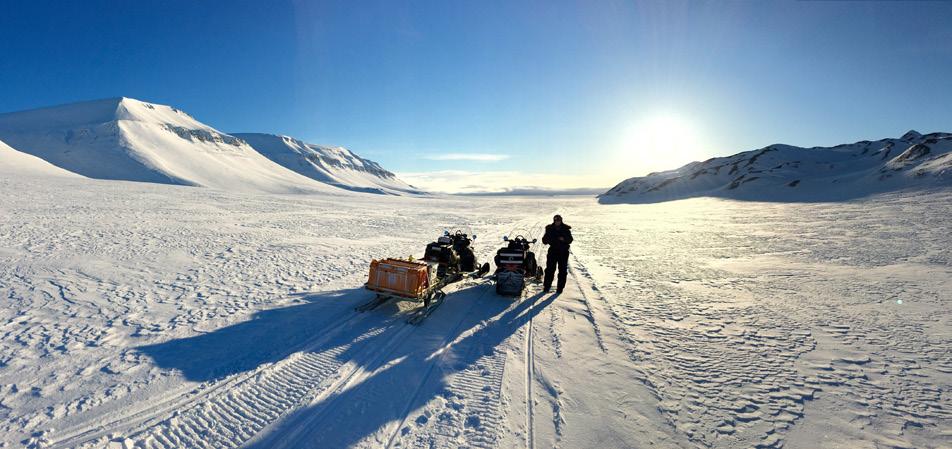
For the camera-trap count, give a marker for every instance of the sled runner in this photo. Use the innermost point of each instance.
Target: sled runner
(406, 280)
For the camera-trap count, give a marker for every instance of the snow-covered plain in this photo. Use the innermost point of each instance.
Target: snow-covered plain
(159, 316)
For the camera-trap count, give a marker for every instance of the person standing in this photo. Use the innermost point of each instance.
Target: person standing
(558, 236)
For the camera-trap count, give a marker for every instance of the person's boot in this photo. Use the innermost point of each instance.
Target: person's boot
(547, 282)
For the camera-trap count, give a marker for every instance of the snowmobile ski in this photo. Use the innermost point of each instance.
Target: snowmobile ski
(481, 272)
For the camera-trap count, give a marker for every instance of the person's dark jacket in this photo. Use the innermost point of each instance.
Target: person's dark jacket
(552, 234)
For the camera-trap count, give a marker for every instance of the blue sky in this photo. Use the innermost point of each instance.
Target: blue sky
(566, 93)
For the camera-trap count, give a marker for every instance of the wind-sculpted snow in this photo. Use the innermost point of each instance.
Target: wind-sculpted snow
(154, 316)
(13, 161)
(788, 173)
(764, 325)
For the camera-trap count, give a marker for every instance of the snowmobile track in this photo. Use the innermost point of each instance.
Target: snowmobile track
(233, 418)
(579, 271)
(530, 375)
(433, 363)
(480, 387)
(164, 413)
(327, 396)
(468, 413)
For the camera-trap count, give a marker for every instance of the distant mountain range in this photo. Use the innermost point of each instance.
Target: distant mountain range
(788, 173)
(132, 140)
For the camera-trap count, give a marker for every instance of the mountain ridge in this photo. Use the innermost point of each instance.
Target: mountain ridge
(122, 138)
(335, 166)
(781, 172)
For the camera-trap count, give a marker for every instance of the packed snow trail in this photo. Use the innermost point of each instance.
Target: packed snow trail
(530, 378)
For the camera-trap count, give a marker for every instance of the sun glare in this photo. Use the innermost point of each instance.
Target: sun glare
(661, 142)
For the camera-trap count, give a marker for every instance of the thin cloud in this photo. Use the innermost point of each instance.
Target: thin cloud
(481, 157)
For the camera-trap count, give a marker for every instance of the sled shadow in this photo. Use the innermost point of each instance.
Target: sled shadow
(270, 336)
(411, 375)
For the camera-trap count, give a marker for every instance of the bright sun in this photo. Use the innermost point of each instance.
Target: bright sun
(661, 142)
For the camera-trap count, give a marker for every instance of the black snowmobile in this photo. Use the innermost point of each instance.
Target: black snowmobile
(454, 255)
(515, 264)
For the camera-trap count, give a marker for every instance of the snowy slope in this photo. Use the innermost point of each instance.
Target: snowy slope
(789, 173)
(127, 139)
(13, 161)
(335, 166)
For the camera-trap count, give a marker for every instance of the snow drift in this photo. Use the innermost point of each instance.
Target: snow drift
(13, 161)
(127, 139)
(338, 166)
(788, 173)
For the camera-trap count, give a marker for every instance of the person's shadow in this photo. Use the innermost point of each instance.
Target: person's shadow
(395, 376)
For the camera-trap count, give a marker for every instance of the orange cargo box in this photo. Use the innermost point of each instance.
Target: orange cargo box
(398, 277)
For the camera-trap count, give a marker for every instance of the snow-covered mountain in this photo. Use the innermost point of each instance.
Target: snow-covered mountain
(335, 166)
(788, 173)
(127, 139)
(17, 162)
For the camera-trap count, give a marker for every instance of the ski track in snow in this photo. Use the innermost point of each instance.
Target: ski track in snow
(530, 378)
(155, 317)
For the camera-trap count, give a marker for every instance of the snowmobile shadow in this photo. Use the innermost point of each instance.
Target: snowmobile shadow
(270, 336)
(392, 381)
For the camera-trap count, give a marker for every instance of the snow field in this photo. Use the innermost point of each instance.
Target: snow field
(156, 316)
(794, 325)
(20, 162)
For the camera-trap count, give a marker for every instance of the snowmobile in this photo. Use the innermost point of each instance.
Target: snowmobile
(444, 262)
(515, 264)
(453, 254)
